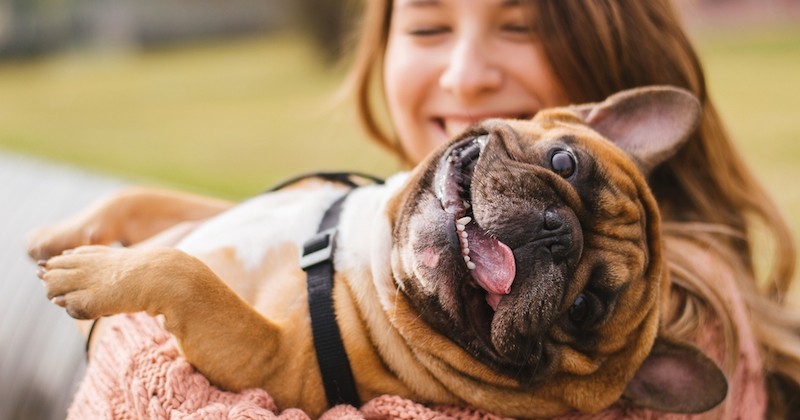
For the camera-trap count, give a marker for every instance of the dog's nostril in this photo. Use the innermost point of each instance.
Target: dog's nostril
(559, 242)
(552, 220)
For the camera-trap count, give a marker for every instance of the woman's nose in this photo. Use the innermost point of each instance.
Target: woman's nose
(470, 71)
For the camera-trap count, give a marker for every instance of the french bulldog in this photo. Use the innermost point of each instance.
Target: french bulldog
(518, 269)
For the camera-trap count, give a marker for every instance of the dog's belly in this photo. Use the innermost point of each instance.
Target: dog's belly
(255, 246)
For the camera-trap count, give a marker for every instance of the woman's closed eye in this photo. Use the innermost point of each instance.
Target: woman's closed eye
(518, 31)
(516, 27)
(428, 31)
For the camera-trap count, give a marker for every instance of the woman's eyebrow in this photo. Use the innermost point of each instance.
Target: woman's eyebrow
(419, 3)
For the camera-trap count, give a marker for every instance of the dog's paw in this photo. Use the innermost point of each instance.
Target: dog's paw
(93, 281)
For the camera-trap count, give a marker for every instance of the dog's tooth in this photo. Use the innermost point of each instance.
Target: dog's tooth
(470, 265)
(459, 227)
(465, 250)
(464, 234)
(467, 258)
(464, 220)
(467, 204)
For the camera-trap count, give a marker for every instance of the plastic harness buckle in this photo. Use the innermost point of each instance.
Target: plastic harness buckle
(319, 248)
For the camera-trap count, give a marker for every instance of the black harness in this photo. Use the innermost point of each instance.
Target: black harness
(317, 262)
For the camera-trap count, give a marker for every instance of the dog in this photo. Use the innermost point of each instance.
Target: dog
(518, 270)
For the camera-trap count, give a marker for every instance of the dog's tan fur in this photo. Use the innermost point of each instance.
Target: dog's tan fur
(243, 321)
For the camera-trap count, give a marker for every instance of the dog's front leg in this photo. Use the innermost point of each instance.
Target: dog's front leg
(220, 334)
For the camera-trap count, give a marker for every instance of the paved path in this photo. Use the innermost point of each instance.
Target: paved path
(41, 352)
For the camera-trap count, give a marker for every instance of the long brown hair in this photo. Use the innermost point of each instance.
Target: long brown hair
(706, 193)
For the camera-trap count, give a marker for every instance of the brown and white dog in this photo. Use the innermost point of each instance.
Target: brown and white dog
(548, 303)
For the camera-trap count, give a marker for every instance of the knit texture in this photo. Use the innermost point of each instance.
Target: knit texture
(137, 372)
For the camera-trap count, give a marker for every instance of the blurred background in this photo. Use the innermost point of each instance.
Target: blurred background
(227, 98)
(221, 97)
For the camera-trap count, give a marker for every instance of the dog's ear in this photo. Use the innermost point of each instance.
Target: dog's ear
(677, 377)
(649, 123)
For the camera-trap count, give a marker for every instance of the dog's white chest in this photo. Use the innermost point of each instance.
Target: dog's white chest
(261, 223)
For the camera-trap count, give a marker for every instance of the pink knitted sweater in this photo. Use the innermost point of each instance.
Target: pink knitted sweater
(137, 372)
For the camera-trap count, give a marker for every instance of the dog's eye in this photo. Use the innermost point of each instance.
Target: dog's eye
(580, 311)
(563, 163)
(586, 310)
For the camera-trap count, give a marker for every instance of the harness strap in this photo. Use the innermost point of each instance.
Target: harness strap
(345, 178)
(317, 261)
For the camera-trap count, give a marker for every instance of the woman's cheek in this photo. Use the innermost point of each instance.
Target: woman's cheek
(409, 77)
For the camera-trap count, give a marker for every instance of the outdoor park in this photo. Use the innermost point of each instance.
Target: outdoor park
(231, 116)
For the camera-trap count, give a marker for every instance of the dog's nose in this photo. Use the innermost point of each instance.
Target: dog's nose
(552, 220)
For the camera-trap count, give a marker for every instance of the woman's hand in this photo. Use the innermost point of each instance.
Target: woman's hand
(126, 217)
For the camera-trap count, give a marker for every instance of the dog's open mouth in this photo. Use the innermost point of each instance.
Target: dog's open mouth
(490, 262)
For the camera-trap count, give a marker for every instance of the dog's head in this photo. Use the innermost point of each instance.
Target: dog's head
(534, 245)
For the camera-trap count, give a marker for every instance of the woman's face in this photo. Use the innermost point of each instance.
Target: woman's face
(450, 63)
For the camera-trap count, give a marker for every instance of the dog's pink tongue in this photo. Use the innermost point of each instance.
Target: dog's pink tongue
(494, 263)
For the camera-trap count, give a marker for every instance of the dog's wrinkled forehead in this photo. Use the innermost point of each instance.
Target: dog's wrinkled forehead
(527, 139)
(560, 142)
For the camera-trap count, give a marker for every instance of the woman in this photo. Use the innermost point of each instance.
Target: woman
(443, 64)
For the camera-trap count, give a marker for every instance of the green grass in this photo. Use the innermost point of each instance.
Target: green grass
(228, 118)
(231, 118)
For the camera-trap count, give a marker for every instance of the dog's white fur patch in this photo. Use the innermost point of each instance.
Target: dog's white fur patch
(365, 235)
(255, 226)
(365, 240)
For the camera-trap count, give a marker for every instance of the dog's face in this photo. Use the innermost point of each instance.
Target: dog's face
(534, 245)
(557, 224)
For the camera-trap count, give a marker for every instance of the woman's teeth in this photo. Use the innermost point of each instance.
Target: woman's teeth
(452, 127)
(455, 127)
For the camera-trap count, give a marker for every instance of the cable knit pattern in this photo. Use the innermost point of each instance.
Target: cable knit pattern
(137, 372)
